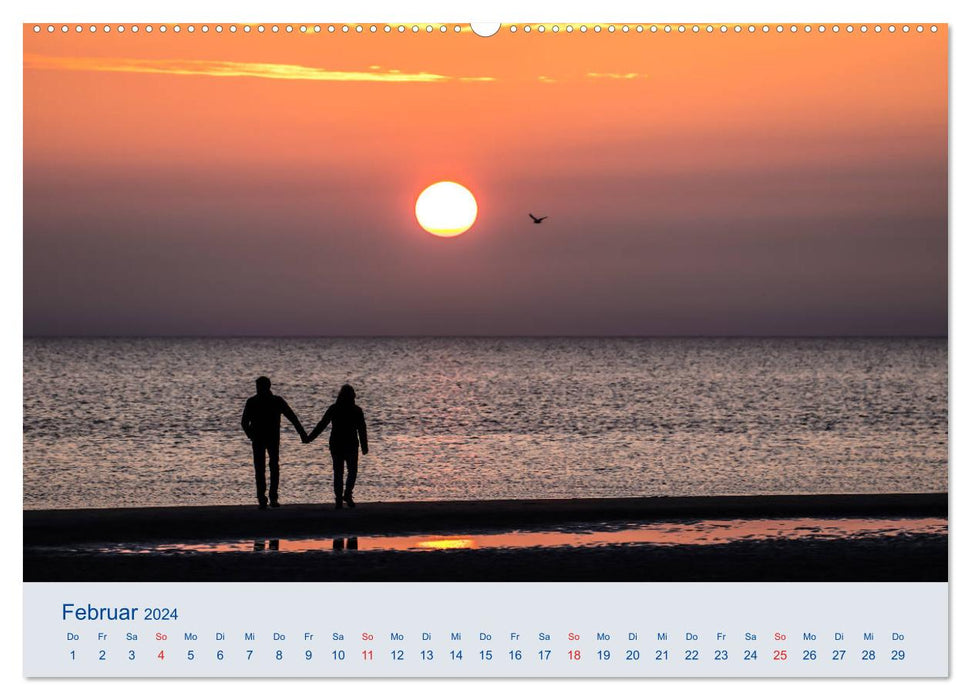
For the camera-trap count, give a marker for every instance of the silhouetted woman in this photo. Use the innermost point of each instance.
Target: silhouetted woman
(348, 420)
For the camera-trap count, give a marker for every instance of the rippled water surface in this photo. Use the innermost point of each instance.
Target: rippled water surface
(121, 422)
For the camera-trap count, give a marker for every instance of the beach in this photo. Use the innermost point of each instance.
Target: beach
(183, 543)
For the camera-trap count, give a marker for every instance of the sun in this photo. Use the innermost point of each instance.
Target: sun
(446, 209)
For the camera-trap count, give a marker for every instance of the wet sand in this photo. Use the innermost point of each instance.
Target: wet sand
(49, 534)
(902, 558)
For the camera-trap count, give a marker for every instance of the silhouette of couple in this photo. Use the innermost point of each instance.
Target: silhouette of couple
(261, 423)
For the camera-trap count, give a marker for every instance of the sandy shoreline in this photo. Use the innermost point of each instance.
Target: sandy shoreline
(62, 527)
(55, 542)
(901, 558)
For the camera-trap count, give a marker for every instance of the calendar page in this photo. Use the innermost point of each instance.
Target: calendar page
(485, 350)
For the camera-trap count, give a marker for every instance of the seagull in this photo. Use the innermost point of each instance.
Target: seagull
(539, 220)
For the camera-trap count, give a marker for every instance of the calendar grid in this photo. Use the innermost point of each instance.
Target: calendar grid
(479, 630)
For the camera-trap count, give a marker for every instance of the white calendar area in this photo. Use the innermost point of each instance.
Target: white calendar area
(480, 630)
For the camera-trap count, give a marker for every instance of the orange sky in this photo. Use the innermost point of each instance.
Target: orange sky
(648, 151)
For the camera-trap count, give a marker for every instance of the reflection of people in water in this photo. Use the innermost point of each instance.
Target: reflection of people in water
(348, 424)
(341, 543)
(261, 423)
(261, 545)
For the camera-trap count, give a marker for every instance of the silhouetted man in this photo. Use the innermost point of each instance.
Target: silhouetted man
(261, 423)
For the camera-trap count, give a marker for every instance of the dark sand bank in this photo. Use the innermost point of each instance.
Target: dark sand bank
(65, 527)
(60, 545)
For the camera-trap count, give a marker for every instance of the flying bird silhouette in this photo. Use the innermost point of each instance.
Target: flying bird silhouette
(539, 220)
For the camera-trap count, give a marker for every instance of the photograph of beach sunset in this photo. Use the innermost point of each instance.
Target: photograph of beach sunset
(407, 303)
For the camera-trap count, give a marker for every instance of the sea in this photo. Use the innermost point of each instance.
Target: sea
(116, 422)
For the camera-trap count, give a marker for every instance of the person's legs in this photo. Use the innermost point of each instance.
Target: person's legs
(274, 451)
(351, 478)
(259, 464)
(338, 476)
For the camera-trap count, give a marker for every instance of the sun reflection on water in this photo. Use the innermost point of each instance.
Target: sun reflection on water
(450, 543)
(663, 534)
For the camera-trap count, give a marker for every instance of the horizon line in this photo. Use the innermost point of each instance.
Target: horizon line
(128, 336)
